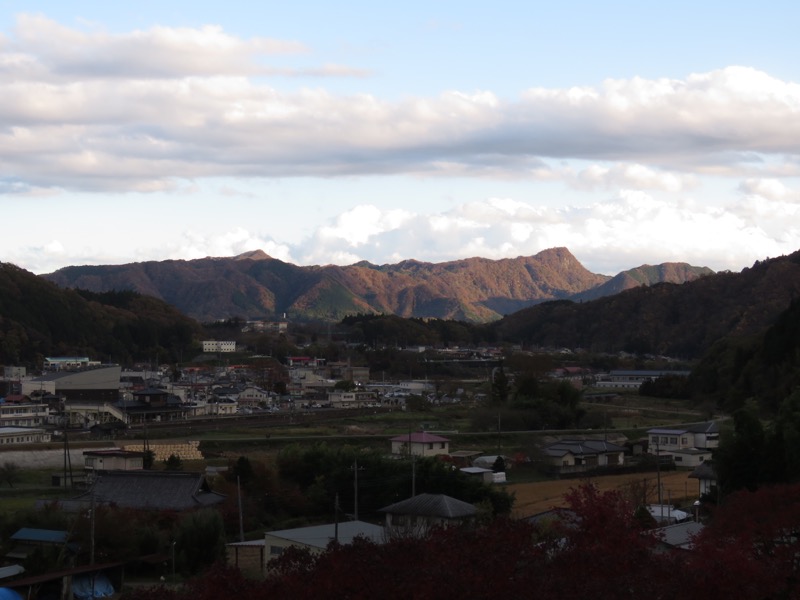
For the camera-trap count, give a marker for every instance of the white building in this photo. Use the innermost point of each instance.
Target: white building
(23, 435)
(218, 346)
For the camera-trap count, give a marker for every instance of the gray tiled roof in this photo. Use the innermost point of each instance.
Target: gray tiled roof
(582, 447)
(431, 505)
(155, 490)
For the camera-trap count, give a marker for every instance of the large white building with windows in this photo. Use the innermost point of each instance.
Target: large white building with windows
(23, 435)
(218, 346)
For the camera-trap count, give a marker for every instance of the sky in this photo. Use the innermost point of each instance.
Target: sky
(329, 133)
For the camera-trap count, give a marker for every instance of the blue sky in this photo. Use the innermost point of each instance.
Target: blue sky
(629, 132)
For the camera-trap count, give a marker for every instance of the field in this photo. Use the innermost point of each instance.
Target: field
(533, 498)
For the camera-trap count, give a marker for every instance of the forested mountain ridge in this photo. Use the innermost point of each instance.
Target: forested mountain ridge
(675, 320)
(38, 319)
(256, 286)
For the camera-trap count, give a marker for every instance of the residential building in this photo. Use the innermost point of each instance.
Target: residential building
(147, 490)
(420, 444)
(706, 477)
(687, 446)
(417, 515)
(252, 557)
(112, 459)
(581, 455)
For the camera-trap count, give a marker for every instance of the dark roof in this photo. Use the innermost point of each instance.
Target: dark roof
(419, 437)
(431, 505)
(708, 427)
(154, 490)
(704, 470)
(113, 452)
(582, 447)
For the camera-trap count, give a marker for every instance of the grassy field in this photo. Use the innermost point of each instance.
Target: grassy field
(536, 497)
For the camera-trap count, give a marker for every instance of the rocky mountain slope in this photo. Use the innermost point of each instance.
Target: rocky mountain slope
(255, 285)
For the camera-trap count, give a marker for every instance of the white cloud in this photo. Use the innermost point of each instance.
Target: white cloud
(770, 189)
(633, 176)
(91, 110)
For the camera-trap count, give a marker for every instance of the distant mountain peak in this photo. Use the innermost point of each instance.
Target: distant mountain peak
(253, 255)
(254, 285)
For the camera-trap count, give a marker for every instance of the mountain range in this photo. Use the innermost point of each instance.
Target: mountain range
(256, 286)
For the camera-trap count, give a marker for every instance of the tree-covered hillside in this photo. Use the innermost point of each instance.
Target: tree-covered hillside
(38, 319)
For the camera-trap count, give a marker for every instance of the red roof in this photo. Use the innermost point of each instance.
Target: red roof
(421, 437)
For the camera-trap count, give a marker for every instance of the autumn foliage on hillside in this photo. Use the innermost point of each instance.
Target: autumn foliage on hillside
(747, 551)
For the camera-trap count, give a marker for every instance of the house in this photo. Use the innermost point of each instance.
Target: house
(252, 557)
(689, 458)
(420, 444)
(252, 397)
(147, 490)
(112, 459)
(699, 435)
(581, 455)
(706, 477)
(687, 446)
(418, 514)
(317, 537)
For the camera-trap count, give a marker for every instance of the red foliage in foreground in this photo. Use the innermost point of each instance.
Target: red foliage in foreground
(748, 551)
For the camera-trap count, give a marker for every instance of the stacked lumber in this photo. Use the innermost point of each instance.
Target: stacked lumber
(162, 451)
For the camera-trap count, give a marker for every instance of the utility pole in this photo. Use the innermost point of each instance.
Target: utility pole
(241, 516)
(336, 519)
(355, 489)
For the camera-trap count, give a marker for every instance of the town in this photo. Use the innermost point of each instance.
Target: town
(113, 438)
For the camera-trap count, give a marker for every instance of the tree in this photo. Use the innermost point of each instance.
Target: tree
(149, 459)
(199, 540)
(500, 386)
(10, 473)
(344, 385)
(740, 456)
(173, 463)
(499, 465)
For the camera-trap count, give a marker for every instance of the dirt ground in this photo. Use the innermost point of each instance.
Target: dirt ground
(533, 498)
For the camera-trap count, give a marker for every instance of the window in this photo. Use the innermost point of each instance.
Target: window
(275, 550)
(430, 445)
(655, 439)
(664, 439)
(441, 445)
(684, 441)
(673, 440)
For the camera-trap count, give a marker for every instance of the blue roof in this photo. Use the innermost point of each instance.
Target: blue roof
(28, 534)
